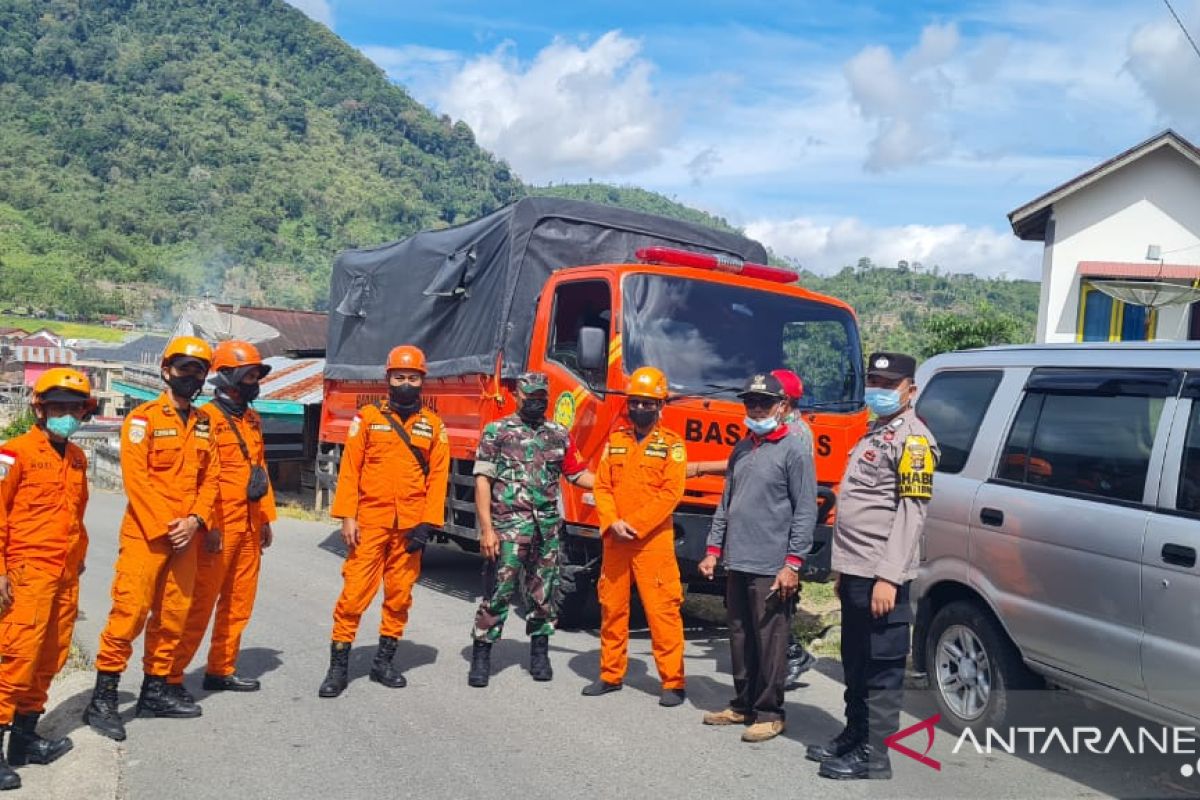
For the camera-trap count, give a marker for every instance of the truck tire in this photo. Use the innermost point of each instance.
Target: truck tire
(578, 606)
(973, 667)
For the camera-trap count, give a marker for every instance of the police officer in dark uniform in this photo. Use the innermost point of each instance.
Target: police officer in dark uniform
(881, 513)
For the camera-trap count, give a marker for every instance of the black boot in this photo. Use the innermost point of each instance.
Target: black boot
(339, 667)
(230, 683)
(26, 747)
(102, 712)
(865, 761)
(180, 691)
(800, 661)
(156, 701)
(539, 658)
(9, 779)
(382, 670)
(844, 742)
(481, 664)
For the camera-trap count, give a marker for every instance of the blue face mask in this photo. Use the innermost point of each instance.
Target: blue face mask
(883, 402)
(762, 426)
(63, 426)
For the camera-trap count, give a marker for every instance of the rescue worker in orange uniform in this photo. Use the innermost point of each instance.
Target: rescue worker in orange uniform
(43, 494)
(391, 496)
(172, 489)
(639, 482)
(231, 554)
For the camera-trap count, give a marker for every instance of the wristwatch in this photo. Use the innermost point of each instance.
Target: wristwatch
(199, 520)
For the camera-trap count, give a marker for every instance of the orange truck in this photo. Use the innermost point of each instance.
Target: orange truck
(587, 294)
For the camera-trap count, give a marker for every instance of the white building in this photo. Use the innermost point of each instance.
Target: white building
(1122, 247)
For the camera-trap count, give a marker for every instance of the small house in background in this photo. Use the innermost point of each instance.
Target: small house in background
(291, 342)
(41, 351)
(1121, 256)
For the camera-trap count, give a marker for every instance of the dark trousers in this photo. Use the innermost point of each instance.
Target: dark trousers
(758, 639)
(873, 656)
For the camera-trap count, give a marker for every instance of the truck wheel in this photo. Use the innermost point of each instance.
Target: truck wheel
(973, 667)
(578, 606)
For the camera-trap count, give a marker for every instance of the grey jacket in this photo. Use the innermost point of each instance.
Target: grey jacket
(883, 500)
(769, 508)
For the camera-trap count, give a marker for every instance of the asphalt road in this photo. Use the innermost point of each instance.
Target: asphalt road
(439, 738)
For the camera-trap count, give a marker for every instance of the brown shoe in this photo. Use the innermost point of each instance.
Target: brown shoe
(762, 731)
(726, 717)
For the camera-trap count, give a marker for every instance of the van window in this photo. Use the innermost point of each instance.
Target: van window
(953, 405)
(1083, 444)
(1189, 471)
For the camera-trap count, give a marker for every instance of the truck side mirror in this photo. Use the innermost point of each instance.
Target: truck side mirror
(593, 349)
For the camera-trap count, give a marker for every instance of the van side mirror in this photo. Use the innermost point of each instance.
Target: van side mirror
(593, 349)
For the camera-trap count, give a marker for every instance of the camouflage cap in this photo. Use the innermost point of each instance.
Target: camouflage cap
(533, 382)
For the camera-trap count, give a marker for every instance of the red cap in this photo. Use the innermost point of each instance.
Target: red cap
(793, 387)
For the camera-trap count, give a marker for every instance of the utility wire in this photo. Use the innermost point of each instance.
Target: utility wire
(1179, 22)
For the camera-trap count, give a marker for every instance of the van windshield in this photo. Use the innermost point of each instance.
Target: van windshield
(709, 335)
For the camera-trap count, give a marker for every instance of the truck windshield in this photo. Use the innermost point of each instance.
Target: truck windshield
(709, 335)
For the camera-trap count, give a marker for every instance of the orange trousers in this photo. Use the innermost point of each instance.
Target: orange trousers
(379, 557)
(152, 590)
(35, 636)
(227, 582)
(652, 565)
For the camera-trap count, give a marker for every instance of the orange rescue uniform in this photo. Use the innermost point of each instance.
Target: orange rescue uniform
(42, 546)
(381, 485)
(641, 483)
(166, 469)
(232, 574)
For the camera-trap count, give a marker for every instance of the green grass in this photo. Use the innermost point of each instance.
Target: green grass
(67, 330)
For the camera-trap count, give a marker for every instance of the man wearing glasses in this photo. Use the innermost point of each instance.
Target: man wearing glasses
(762, 530)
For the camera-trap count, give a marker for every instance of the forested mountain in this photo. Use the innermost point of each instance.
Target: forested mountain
(229, 146)
(156, 149)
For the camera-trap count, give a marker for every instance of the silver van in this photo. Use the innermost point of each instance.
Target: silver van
(1060, 546)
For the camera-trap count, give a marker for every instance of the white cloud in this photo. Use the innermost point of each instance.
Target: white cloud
(424, 71)
(826, 246)
(574, 111)
(1168, 70)
(319, 10)
(902, 97)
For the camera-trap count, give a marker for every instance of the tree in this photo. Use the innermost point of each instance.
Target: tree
(946, 332)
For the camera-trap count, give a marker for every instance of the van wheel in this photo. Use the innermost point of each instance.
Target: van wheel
(972, 667)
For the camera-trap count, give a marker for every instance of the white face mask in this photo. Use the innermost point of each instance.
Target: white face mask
(762, 427)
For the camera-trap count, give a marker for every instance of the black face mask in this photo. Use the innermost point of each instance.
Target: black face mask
(405, 397)
(238, 398)
(643, 417)
(185, 385)
(533, 411)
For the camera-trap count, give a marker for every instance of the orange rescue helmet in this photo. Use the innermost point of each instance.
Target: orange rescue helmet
(234, 354)
(406, 356)
(188, 346)
(647, 382)
(64, 385)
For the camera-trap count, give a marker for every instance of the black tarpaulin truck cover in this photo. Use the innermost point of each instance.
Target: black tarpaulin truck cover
(466, 293)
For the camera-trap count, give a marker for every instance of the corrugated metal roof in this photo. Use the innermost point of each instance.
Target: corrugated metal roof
(294, 380)
(298, 330)
(1123, 269)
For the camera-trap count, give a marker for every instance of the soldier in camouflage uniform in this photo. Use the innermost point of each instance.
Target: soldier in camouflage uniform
(517, 470)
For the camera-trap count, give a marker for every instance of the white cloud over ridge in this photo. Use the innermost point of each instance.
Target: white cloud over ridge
(574, 111)
(1168, 70)
(825, 247)
(319, 10)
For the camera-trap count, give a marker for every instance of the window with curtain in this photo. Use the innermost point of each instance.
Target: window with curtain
(1103, 319)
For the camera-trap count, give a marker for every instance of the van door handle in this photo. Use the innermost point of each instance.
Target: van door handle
(991, 516)
(1178, 555)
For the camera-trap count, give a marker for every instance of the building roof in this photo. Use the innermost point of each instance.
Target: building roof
(299, 331)
(13, 331)
(143, 350)
(294, 380)
(1029, 221)
(1126, 269)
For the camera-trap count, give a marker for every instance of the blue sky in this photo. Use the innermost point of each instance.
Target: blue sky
(828, 130)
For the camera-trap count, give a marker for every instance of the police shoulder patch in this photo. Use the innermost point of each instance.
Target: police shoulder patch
(7, 459)
(916, 468)
(137, 429)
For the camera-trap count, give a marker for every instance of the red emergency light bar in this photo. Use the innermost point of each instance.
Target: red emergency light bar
(686, 258)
